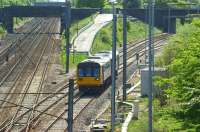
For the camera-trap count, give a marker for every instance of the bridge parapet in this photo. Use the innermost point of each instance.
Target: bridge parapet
(165, 18)
(7, 14)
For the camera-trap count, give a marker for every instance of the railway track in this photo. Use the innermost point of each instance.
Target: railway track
(33, 84)
(56, 123)
(14, 42)
(36, 47)
(81, 105)
(41, 110)
(9, 81)
(59, 122)
(138, 47)
(16, 51)
(41, 106)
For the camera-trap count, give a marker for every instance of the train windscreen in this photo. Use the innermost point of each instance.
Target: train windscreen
(88, 70)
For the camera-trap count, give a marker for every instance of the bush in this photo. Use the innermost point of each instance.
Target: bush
(105, 39)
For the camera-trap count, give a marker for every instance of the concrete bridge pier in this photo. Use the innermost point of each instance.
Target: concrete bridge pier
(169, 25)
(8, 21)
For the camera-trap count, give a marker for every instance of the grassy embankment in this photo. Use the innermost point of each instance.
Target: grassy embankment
(103, 40)
(73, 30)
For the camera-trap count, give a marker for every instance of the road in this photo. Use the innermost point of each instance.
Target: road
(84, 41)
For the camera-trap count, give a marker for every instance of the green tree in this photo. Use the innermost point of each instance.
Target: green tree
(133, 4)
(174, 3)
(181, 56)
(90, 3)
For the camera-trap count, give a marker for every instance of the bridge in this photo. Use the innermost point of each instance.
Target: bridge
(165, 19)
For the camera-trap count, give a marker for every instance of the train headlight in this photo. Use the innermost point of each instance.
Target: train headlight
(97, 78)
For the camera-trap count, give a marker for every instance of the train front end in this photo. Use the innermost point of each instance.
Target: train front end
(89, 76)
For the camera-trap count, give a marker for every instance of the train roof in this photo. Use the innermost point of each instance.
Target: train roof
(97, 59)
(103, 55)
(101, 61)
(106, 54)
(100, 57)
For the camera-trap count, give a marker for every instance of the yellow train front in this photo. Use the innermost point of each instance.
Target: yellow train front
(95, 72)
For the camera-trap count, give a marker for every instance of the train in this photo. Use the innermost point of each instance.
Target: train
(94, 73)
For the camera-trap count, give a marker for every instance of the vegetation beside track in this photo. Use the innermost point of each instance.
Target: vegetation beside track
(181, 58)
(78, 57)
(135, 30)
(136, 3)
(181, 90)
(15, 2)
(75, 26)
(163, 118)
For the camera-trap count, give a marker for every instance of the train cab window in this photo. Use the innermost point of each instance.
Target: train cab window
(95, 72)
(81, 72)
(89, 71)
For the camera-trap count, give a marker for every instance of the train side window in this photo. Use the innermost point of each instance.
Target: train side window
(95, 72)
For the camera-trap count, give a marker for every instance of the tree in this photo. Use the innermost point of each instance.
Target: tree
(90, 3)
(184, 69)
(133, 4)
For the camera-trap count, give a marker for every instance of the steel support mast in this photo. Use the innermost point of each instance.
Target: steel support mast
(124, 50)
(70, 106)
(67, 36)
(151, 20)
(113, 69)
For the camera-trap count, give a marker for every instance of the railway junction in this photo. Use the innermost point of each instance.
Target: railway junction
(38, 93)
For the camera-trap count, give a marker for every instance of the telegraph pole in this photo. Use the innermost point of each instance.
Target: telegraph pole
(113, 68)
(151, 20)
(124, 49)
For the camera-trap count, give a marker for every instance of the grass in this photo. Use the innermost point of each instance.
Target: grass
(76, 25)
(77, 58)
(164, 119)
(2, 31)
(20, 21)
(103, 40)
